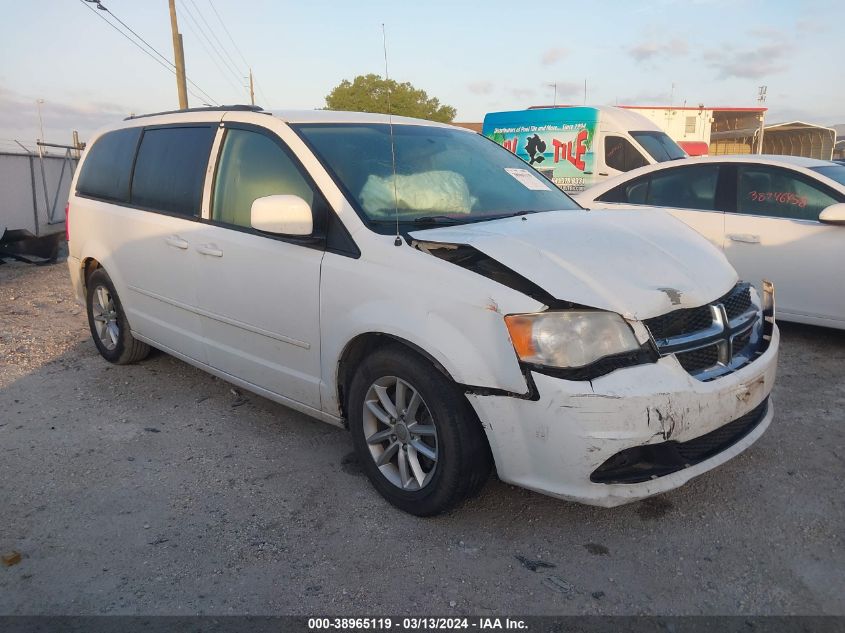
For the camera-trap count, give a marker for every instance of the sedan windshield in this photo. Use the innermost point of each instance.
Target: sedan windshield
(659, 145)
(834, 172)
(430, 175)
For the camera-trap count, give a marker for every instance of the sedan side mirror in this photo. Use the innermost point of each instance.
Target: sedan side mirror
(834, 214)
(282, 214)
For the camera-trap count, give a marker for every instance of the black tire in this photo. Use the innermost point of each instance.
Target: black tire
(125, 349)
(463, 461)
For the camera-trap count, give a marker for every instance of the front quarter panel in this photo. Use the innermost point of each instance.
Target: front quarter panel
(454, 315)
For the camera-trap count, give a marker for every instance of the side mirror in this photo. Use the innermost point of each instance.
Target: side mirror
(282, 214)
(834, 214)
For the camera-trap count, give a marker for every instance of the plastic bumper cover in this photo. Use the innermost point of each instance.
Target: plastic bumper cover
(553, 445)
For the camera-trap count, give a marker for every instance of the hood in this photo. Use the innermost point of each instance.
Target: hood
(637, 263)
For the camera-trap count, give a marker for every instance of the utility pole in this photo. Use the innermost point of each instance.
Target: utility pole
(761, 99)
(179, 56)
(252, 89)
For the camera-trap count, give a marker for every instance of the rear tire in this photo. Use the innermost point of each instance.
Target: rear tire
(107, 320)
(416, 436)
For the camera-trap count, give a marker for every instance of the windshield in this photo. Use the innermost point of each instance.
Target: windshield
(659, 145)
(834, 172)
(442, 175)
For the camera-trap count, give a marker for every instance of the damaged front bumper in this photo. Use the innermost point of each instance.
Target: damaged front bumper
(633, 433)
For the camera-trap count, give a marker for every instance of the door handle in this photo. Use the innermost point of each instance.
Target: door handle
(744, 237)
(209, 249)
(601, 173)
(176, 242)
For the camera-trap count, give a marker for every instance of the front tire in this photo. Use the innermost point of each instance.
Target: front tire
(107, 320)
(416, 436)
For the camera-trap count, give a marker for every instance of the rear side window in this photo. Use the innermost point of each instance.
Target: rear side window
(684, 188)
(107, 168)
(620, 153)
(633, 192)
(170, 169)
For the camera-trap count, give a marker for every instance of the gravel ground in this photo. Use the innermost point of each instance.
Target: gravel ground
(158, 489)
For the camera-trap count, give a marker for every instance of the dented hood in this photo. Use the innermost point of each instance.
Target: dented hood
(637, 263)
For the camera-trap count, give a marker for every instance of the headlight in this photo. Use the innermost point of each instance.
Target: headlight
(569, 338)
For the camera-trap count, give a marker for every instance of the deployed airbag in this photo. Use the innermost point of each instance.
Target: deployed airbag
(426, 192)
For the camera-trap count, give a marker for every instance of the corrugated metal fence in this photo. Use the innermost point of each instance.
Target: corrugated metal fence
(34, 190)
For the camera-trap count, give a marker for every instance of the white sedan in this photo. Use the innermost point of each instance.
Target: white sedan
(780, 218)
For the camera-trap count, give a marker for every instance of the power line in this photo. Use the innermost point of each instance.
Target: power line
(216, 39)
(142, 49)
(237, 48)
(167, 66)
(231, 39)
(170, 68)
(208, 52)
(187, 11)
(148, 45)
(261, 90)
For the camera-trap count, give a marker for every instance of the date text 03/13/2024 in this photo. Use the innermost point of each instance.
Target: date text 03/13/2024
(414, 624)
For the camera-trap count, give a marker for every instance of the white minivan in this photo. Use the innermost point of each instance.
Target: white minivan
(429, 291)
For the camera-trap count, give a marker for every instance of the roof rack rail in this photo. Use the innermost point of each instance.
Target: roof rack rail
(236, 107)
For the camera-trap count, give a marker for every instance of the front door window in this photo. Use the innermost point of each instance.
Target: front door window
(252, 166)
(778, 193)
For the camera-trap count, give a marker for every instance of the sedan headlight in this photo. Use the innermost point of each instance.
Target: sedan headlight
(571, 338)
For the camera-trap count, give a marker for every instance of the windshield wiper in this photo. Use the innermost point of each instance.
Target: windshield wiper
(515, 214)
(448, 219)
(436, 219)
(424, 219)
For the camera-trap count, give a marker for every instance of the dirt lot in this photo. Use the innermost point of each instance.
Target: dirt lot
(155, 488)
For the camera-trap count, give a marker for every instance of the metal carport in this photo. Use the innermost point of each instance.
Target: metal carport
(795, 138)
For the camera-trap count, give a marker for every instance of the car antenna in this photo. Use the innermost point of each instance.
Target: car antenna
(398, 240)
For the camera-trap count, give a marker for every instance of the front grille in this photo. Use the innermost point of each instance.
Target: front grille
(742, 341)
(738, 301)
(680, 322)
(644, 463)
(700, 337)
(699, 359)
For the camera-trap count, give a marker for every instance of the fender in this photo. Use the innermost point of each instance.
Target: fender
(458, 324)
(93, 248)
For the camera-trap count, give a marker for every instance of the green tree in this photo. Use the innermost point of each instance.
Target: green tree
(369, 93)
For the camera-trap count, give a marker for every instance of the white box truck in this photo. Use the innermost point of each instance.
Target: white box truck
(578, 147)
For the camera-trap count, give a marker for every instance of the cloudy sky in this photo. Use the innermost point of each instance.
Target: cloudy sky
(476, 56)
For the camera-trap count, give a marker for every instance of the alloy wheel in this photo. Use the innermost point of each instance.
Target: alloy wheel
(105, 317)
(400, 433)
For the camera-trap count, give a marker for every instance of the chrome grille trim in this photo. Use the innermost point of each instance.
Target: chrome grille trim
(723, 334)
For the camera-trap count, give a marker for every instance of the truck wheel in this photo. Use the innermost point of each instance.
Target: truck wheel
(108, 323)
(415, 434)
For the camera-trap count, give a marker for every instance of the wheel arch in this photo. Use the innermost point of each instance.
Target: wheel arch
(89, 265)
(361, 346)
